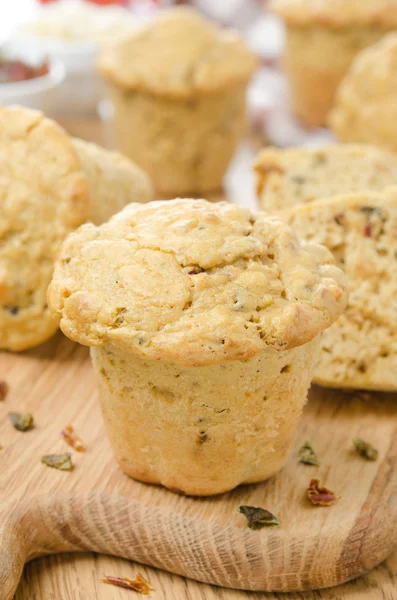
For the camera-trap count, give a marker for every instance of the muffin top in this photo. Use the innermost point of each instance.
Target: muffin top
(44, 195)
(194, 282)
(178, 54)
(290, 176)
(337, 13)
(365, 108)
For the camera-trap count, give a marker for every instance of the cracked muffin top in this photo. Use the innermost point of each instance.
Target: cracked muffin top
(43, 196)
(337, 13)
(178, 54)
(194, 282)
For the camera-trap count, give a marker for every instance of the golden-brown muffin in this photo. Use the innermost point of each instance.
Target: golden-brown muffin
(178, 88)
(49, 185)
(293, 176)
(113, 180)
(323, 38)
(203, 321)
(366, 108)
(360, 349)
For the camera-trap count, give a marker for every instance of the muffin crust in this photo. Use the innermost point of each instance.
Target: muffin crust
(293, 176)
(337, 13)
(44, 195)
(195, 283)
(49, 185)
(195, 57)
(360, 349)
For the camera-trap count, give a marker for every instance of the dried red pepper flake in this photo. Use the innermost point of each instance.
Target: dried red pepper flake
(138, 584)
(368, 231)
(320, 496)
(3, 389)
(72, 439)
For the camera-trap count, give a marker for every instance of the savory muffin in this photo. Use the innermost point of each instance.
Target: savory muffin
(49, 184)
(323, 38)
(365, 108)
(178, 88)
(360, 349)
(113, 180)
(293, 176)
(203, 320)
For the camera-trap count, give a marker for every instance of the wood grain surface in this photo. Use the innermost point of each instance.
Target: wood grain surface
(54, 382)
(45, 510)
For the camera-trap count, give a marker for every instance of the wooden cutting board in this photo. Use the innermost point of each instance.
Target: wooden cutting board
(96, 507)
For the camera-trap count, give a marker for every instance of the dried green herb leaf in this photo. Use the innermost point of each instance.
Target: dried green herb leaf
(63, 462)
(138, 584)
(308, 455)
(298, 179)
(320, 496)
(12, 309)
(372, 210)
(258, 517)
(319, 159)
(340, 218)
(21, 421)
(365, 449)
(3, 390)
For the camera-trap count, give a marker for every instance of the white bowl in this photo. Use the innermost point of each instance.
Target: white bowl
(39, 92)
(83, 89)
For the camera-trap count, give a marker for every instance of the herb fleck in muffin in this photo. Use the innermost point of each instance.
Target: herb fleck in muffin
(365, 108)
(360, 349)
(49, 185)
(203, 321)
(178, 87)
(323, 38)
(300, 175)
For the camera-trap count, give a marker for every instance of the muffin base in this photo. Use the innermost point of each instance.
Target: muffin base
(316, 60)
(202, 430)
(185, 145)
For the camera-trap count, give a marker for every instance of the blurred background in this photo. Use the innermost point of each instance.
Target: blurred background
(49, 50)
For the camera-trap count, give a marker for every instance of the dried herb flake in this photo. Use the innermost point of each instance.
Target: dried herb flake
(258, 517)
(308, 455)
(372, 210)
(138, 584)
(340, 218)
(21, 421)
(12, 309)
(63, 462)
(320, 496)
(365, 449)
(195, 270)
(72, 439)
(3, 390)
(368, 231)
